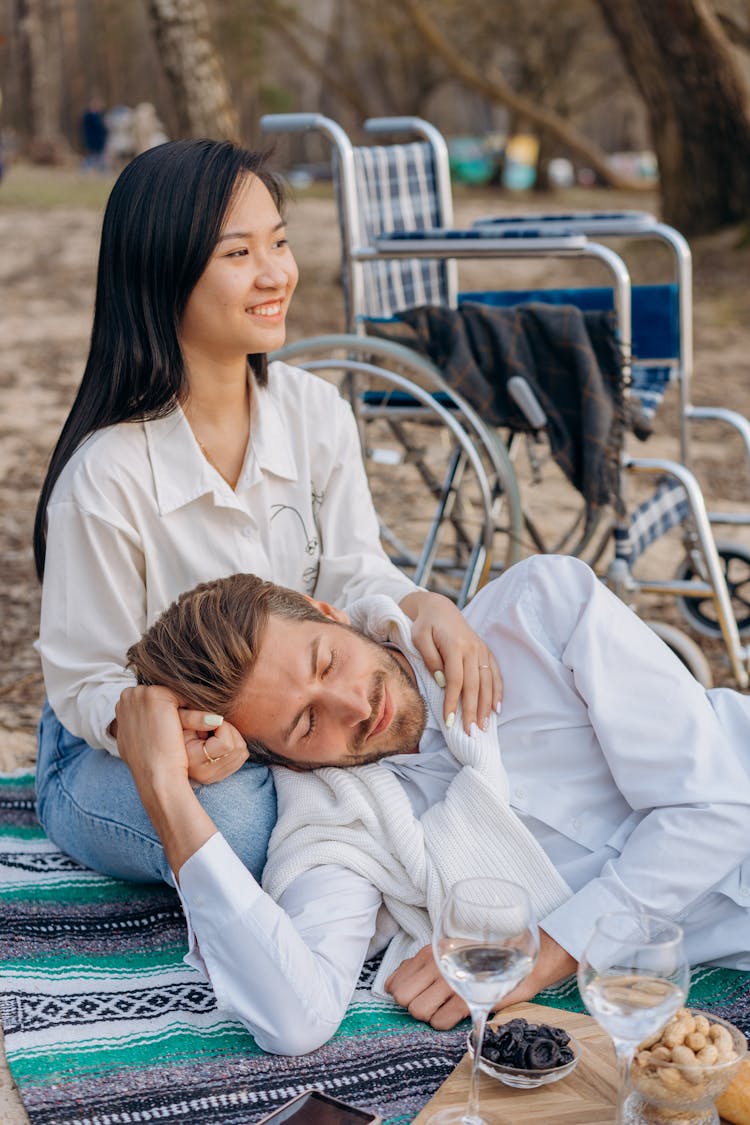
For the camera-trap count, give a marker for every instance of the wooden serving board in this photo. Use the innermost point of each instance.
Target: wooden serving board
(585, 1097)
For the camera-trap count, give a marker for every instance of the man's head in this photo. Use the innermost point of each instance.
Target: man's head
(302, 688)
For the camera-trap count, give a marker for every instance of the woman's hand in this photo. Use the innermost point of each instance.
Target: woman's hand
(215, 749)
(458, 659)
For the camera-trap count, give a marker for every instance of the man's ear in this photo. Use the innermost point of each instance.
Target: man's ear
(329, 611)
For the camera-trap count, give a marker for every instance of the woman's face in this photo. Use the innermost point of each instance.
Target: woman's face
(239, 304)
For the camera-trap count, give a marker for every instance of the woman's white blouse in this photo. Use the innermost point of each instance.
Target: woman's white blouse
(138, 516)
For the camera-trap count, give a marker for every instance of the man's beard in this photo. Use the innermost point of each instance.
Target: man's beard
(407, 724)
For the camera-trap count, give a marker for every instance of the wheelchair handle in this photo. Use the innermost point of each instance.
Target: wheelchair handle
(396, 125)
(293, 122)
(527, 402)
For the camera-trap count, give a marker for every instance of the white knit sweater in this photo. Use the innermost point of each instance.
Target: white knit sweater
(361, 818)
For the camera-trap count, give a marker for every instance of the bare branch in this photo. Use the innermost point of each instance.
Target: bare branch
(346, 91)
(737, 33)
(497, 89)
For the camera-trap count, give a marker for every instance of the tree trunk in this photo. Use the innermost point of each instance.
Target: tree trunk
(38, 25)
(202, 99)
(698, 107)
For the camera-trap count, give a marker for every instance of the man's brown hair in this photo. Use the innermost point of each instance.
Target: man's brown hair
(206, 643)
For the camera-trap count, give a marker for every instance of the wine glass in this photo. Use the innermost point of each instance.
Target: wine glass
(633, 977)
(485, 943)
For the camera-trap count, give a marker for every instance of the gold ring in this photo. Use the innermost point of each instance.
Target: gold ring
(208, 757)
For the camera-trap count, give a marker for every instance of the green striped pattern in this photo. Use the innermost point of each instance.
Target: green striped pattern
(106, 1025)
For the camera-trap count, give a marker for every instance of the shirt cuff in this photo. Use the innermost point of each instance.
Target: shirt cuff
(214, 887)
(572, 924)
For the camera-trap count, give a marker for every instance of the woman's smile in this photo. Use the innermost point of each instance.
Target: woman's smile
(238, 307)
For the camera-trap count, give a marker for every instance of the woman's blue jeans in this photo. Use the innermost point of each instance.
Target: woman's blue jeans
(89, 807)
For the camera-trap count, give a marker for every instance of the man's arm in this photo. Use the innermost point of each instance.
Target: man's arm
(155, 746)
(658, 743)
(288, 976)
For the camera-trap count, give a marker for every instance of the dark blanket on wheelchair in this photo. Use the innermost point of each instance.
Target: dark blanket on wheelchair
(569, 358)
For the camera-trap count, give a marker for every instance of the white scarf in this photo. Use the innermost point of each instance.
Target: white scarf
(360, 817)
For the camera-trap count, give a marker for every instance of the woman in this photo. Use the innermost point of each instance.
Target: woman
(186, 457)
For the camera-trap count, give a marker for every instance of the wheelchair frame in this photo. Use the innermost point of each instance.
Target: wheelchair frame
(550, 236)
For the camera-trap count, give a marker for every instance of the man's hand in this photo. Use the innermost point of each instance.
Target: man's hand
(418, 985)
(152, 742)
(150, 736)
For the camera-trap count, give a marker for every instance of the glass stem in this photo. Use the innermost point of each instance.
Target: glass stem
(624, 1051)
(479, 1020)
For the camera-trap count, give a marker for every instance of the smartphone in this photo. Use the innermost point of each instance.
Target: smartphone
(314, 1108)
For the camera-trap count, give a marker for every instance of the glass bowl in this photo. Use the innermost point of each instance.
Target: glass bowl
(666, 1093)
(527, 1079)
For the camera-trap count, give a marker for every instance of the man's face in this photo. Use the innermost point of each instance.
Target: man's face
(322, 694)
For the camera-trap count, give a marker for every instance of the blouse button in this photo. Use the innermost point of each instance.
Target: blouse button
(576, 823)
(247, 532)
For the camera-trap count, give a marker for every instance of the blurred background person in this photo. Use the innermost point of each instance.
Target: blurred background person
(148, 130)
(94, 133)
(120, 142)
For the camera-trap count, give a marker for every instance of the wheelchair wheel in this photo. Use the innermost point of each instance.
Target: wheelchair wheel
(686, 649)
(700, 613)
(443, 486)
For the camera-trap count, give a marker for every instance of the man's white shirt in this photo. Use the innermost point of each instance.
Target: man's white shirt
(634, 780)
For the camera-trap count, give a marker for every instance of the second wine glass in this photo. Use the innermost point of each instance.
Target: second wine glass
(485, 942)
(633, 977)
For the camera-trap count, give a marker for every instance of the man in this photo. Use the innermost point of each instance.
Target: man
(611, 780)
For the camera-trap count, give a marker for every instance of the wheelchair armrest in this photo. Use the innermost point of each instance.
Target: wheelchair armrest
(731, 418)
(601, 223)
(470, 243)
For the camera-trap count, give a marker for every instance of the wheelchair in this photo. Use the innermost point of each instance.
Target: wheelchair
(400, 251)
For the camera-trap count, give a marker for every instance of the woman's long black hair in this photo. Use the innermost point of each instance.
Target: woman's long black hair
(161, 224)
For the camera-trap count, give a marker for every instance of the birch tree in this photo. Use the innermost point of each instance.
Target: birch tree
(38, 32)
(202, 100)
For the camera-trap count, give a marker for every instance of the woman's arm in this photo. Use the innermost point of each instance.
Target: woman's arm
(353, 563)
(93, 609)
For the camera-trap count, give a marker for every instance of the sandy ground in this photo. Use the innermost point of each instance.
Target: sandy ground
(47, 274)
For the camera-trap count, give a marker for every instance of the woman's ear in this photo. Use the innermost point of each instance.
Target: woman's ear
(329, 611)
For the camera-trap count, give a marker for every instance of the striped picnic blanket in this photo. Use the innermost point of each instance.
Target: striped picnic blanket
(105, 1024)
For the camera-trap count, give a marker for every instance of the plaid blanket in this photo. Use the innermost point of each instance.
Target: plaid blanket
(105, 1024)
(569, 358)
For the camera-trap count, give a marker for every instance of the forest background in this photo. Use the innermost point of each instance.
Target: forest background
(584, 79)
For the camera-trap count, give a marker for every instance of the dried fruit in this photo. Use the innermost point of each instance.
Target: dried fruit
(527, 1046)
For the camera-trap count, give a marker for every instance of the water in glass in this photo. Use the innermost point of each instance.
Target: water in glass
(484, 942)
